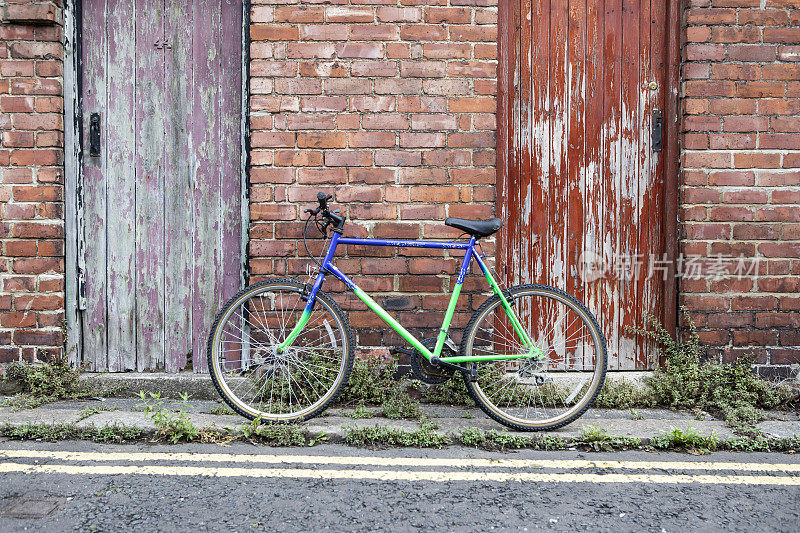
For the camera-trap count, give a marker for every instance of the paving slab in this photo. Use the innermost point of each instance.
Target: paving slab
(640, 423)
(780, 429)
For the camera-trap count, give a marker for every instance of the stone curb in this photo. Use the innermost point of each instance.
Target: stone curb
(200, 386)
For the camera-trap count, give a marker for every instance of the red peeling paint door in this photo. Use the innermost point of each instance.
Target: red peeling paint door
(581, 184)
(161, 178)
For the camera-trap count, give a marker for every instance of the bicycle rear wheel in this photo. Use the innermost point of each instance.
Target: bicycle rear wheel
(258, 381)
(536, 394)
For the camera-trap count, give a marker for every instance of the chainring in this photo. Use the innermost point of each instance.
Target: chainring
(427, 372)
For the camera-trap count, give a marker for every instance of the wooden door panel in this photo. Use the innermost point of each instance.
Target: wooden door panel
(578, 181)
(178, 168)
(120, 186)
(163, 200)
(94, 98)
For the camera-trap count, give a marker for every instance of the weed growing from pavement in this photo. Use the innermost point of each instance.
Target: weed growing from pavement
(688, 439)
(45, 383)
(362, 412)
(494, 440)
(451, 392)
(685, 382)
(88, 411)
(222, 409)
(173, 425)
(110, 433)
(372, 382)
(381, 436)
(598, 439)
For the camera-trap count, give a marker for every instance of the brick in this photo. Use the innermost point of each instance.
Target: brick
(273, 212)
(298, 158)
(374, 68)
(323, 32)
(422, 69)
(421, 140)
(273, 32)
(335, 158)
(760, 89)
(763, 17)
(349, 14)
(264, 139)
(376, 32)
(709, 88)
(322, 69)
(360, 50)
(754, 52)
(310, 50)
(398, 158)
(371, 139)
(299, 13)
(782, 35)
(704, 52)
(44, 13)
(399, 14)
(733, 34)
(327, 139)
(347, 86)
(421, 32)
(373, 103)
(323, 103)
(310, 176)
(372, 176)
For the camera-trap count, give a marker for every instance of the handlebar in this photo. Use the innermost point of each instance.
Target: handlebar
(330, 217)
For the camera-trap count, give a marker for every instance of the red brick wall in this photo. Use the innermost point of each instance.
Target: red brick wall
(392, 106)
(31, 158)
(741, 174)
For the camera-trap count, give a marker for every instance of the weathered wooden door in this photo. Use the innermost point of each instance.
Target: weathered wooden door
(580, 179)
(161, 181)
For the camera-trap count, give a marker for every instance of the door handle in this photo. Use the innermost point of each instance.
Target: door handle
(94, 135)
(657, 130)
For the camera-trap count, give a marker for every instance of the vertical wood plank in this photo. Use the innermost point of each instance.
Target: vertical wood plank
(611, 156)
(505, 127)
(94, 186)
(629, 183)
(205, 134)
(539, 185)
(576, 135)
(121, 187)
(511, 241)
(230, 82)
(596, 286)
(150, 184)
(178, 198)
(644, 296)
(658, 56)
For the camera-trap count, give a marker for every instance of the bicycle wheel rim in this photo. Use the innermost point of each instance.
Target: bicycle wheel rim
(303, 374)
(570, 375)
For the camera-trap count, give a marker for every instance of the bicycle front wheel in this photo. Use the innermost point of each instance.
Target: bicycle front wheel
(540, 393)
(257, 380)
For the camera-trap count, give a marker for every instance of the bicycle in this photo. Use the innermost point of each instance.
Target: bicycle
(537, 368)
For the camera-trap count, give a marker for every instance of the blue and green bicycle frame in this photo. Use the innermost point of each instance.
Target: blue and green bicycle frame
(529, 351)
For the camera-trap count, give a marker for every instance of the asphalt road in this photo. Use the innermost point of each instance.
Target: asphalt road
(89, 487)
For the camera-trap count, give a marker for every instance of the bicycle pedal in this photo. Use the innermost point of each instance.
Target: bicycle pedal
(398, 350)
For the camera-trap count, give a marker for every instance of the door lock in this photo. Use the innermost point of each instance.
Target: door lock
(657, 130)
(94, 135)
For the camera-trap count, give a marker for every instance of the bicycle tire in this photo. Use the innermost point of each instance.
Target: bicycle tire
(582, 404)
(213, 354)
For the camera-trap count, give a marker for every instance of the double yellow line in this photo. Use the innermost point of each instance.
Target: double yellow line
(363, 468)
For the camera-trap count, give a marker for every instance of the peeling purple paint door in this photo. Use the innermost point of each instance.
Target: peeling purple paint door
(162, 200)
